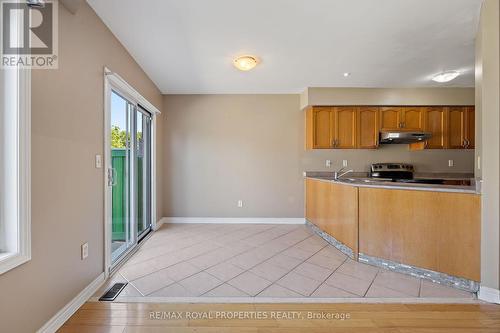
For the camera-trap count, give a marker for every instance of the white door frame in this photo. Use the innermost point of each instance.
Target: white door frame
(113, 81)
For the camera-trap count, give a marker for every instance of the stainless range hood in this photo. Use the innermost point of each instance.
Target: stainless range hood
(403, 137)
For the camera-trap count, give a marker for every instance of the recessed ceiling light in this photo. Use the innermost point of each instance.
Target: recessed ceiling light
(245, 63)
(446, 76)
(346, 74)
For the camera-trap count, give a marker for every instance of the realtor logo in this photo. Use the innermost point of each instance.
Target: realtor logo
(29, 34)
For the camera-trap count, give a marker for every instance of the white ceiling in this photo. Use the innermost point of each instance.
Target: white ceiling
(187, 46)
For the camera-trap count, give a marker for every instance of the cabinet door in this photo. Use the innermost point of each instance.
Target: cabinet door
(456, 127)
(367, 127)
(470, 132)
(322, 127)
(412, 118)
(435, 123)
(345, 127)
(390, 118)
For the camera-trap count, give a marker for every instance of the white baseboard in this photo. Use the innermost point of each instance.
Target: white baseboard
(490, 295)
(69, 309)
(233, 220)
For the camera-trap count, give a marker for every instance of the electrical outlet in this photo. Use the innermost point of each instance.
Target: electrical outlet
(98, 161)
(85, 251)
(328, 163)
(344, 163)
(240, 203)
(451, 163)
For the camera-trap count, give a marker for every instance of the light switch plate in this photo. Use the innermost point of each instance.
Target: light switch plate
(98, 161)
(240, 203)
(328, 163)
(344, 163)
(451, 163)
(85, 250)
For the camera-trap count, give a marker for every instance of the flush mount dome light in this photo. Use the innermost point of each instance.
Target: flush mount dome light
(245, 63)
(446, 76)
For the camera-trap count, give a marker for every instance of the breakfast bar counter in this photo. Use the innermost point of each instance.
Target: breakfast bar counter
(429, 230)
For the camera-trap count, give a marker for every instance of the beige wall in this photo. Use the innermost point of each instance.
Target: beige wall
(488, 105)
(67, 191)
(221, 148)
(387, 96)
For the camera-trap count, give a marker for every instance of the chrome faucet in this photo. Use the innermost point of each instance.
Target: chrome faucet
(340, 173)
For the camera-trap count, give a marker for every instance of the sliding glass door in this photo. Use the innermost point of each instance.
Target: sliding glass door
(143, 171)
(129, 175)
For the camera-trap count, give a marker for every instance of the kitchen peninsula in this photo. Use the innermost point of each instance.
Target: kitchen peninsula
(426, 230)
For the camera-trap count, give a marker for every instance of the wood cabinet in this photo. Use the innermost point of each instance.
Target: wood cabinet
(349, 127)
(333, 208)
(319, 127)
(390, 118)
(331, 127)
(456, 127)
(461, 127)
(439, 231)
(401, 118)
(436, 122)
(344, 136)
(470, 133)
(412, 119)
(367, 127)
(343, 127)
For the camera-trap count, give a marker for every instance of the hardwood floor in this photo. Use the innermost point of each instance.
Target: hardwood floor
(96, 317)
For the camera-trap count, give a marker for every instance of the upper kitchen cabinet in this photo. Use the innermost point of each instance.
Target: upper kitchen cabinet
(390, 118)
(456, 127)
(470, 135)
(345, 127)
(435, 122)
(461, 127)
(349, 127)
(319, 127)
(367, 127)
(401, 118)
(330, 127)
(412, 119)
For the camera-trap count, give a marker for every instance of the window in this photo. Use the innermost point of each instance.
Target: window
(15, 138)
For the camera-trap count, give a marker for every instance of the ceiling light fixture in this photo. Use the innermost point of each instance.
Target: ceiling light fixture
(445, 76)
(245, 63)
(346, 74)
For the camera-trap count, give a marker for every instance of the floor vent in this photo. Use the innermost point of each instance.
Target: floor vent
(113, 292)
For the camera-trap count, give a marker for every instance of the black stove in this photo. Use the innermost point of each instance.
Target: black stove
(403, 173)
(392, 171)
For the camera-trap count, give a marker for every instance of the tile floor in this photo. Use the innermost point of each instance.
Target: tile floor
(257, 260)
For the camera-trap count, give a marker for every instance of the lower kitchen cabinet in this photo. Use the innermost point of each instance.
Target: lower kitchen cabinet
(439, 231)
(333, 208)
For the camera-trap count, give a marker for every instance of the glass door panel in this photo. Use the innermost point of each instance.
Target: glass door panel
(143, 171)
(122, 238)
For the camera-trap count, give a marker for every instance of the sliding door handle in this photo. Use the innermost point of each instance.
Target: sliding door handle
(112, 177)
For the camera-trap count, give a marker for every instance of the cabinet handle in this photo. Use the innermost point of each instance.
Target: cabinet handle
(467, 143)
